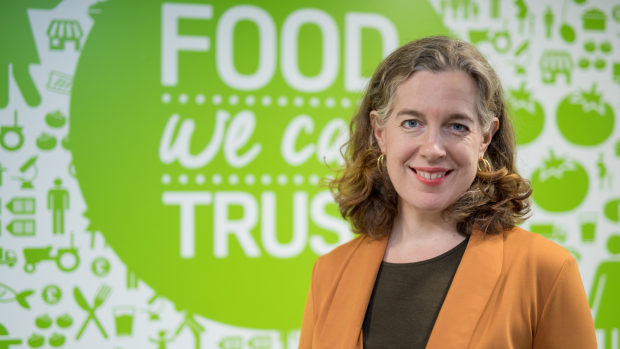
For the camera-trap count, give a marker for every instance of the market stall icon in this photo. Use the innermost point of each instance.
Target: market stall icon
(61, 31)
(553, 63)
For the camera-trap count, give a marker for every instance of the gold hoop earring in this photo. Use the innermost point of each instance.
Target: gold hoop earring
(381, 163)
(486, 166)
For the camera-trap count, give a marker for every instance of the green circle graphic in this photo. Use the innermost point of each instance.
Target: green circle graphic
(120, 109)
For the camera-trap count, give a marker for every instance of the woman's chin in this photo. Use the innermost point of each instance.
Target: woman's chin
(429, 204)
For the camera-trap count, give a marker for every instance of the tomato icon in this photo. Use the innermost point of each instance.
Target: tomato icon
(584, 118)
(560, 185)
(46, 141)
(528, 115)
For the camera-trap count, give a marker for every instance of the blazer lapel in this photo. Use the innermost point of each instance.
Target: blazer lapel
(344, 322)
(469, 293)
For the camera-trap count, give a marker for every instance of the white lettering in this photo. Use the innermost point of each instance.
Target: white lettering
(239, 132)
(172, 42)
(241, 228)
(187, 200)
(179, 150)
(354, 22)
(290, 49)
(328, 222)
(269, 237)
(333, 136)
(291, 133)
(267, 47)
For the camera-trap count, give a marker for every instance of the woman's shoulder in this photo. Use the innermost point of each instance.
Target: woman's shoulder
(361, 250)
(534, 251)
(343, 253)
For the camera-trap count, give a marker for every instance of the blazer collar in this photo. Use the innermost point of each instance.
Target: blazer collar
(469, 293)
(343, 325)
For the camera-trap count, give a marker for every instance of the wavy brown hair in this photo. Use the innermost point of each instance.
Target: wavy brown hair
(496, 200)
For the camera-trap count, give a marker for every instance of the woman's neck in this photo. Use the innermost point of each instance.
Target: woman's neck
(419, 235)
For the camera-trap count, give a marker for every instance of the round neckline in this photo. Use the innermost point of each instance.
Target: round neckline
(430, 260)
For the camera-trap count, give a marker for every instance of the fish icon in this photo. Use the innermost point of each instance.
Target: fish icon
(7, 295)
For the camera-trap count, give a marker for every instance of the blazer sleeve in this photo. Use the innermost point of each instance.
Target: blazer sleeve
(308, 321)
(566, 320)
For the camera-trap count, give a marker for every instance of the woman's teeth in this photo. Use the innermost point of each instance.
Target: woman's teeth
(431, 175)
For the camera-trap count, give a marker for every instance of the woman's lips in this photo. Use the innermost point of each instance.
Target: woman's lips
(431, 176)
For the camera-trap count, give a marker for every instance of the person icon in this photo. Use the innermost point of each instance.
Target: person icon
(58, 202)
(162, 340)
(18, 48)
(605, 290)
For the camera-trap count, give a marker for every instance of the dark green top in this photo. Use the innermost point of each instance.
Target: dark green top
(406, 300)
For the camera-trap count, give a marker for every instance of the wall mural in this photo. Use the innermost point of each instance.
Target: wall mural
(161, 161)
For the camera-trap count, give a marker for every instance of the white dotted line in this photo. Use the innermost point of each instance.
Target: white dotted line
(265, 101)
(249, 179)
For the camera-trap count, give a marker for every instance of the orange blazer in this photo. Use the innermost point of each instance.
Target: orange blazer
(516, 290)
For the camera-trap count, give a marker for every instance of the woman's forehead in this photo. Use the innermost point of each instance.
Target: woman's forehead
(430, 93)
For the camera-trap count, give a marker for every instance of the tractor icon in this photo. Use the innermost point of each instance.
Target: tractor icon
(67, 259)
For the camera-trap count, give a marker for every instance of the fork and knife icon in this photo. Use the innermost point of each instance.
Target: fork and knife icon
(102, 294)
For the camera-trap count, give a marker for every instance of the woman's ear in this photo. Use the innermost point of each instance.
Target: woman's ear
(379, 132)
(488, 136)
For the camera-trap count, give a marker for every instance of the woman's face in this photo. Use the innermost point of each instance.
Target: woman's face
(433, 139)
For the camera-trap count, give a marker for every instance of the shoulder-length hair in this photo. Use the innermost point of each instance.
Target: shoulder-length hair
(495, 201)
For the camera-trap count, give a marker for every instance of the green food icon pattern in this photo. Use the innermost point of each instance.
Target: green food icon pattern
(585, 118)
(528, 114)
(162, 161)
(560, 184)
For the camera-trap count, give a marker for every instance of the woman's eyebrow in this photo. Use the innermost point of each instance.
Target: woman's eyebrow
(411, 112)
(451, 116)
(460, 116)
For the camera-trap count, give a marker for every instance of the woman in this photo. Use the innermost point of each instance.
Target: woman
(430, 185)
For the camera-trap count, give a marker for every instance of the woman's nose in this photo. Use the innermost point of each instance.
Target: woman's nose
(432, 146)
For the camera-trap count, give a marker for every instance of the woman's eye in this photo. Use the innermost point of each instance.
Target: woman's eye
(458, 127)
(411, 123)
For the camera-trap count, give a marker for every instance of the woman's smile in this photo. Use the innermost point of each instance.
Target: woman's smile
(431, 176)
